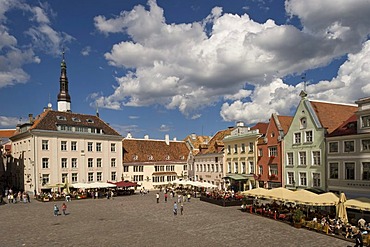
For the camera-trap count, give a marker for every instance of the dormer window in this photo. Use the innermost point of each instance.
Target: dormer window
(63, 118)
(89, 120)
(136, 157)
(167, 157)
(303, 123)
(150, 157)
(76, 119)
(182, 157)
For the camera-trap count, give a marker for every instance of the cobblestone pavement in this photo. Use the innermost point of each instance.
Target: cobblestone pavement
(139, 221)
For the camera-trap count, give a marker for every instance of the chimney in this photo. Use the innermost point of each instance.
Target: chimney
(193, 136)
(30, 117)
(146, 137)
(167, 139)
(174, 139)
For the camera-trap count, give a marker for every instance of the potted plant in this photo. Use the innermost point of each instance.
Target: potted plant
(298, 216)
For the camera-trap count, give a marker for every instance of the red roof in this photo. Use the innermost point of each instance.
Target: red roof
(262, 127)
(6, 133)
(349, 127)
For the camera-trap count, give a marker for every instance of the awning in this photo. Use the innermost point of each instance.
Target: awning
(238, 177)
(125, 184)
(163, 173)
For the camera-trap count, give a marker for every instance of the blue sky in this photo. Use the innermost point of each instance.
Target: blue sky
(181, 67)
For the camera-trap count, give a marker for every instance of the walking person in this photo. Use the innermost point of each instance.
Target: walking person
(157, 196)
(358, 239)
(64, 208)
(189, 196)
(175, 208)
(56, 210)
(165, 196)
(181, 208)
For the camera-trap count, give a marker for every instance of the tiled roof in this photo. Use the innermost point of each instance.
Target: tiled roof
(147, 150)
(49, 120)
(6, 133)
(332, 115)
(285, 122)
(196, 141)
(262, 127)
(349, 127)
(216, 144)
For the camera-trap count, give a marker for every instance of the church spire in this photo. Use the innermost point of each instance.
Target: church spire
(64, 100)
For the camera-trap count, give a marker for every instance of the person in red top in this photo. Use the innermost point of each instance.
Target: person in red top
(64, 208)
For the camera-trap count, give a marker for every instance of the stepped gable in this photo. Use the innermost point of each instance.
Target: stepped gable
(142, 150)
(216, 144)
(332, 115)
(49, 120)
(349, 127)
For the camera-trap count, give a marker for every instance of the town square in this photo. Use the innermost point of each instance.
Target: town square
(139, 221)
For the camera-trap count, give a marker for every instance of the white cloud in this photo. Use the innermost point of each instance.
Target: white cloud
(10, 122)
(164, 128)
(133, 117)
(86, 51)
(186, 67)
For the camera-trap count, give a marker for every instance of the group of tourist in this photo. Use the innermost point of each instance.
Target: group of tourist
(14, 197)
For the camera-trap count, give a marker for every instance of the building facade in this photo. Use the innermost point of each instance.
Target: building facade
(58, 148)
(154, 163)
(304, 143)
(270, 152)
(348, 152)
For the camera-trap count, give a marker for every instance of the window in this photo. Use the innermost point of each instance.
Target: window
(236, 167)
(316, 158)
(74, 177)
(243, 148)
(98, 147)
(349, 146)
(302, 179)
(64, 177)
(64, 163)
(289, 159)
(229, 167)
(99, 176)
(244, 170)
(290, 178)
(251, 167)
(228, 149)
(316, 180)
(333, 147)
(63, 146)
(139, 178)
(303, 123)
(138, 168)
(260, 170)
(251, 147)
(98, 162)
(159, 168)
(90, 177)
(76, 119)
(273, 170)
(113, 176)
(235, 148)
(302, 158)
(45, 145)
(365, 145)
(260, 152)
(365, 121)
(90, 162)
(74, 163)
(349, 170)
(197, 167)
(333, 170)
(125, 168)
(45, 179)
(309, 136)
(113, 147)
(216, 167)
(171, 168)
(200, 167)
(212, 168)
(74, 146)
(89, 146)
(365, 170)
(45, 163)
(273, 151)
(113, 162)
(297, 138)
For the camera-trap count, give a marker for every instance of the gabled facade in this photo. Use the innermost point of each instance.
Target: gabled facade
(304, 143)
(153, 163)
(208, 163)
(240, 158)
(194, 143)
(270, 152)
(348, 152)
